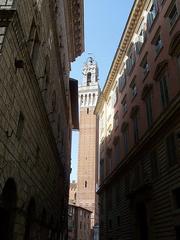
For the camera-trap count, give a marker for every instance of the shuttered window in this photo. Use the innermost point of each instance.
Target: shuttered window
(171, 149)
(122, 82)
(135, 127)
(176, 196)
(152, 14)
(154, 164)
(164, 91)
(148, 102)
(125, 138)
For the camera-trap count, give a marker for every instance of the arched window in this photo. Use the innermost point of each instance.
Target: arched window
(81, 100)
(94, 98)
(88, 78)
(89, 100)
(85, 99)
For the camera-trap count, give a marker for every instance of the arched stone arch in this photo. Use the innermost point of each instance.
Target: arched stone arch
(8, 201)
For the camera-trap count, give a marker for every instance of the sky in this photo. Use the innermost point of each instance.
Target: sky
(104, 22)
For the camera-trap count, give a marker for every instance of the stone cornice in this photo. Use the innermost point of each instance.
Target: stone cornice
(76, 26)
(135, 14)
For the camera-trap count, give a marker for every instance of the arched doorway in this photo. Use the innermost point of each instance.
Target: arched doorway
(8, 199)
(30, 228)
(142, 222)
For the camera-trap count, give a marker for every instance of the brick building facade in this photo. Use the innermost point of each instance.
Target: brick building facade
(87, 164)
(38, 41)
(79, 223)
(139, 134)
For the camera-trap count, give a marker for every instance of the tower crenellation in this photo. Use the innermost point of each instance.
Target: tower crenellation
(89, 90)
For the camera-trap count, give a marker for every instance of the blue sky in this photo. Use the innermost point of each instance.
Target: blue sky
(104, 22)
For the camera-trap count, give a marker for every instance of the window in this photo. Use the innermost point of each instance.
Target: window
(116, 120)
(154, 164)
(94, 99)
(133, 88)
(80, 225)
(102, 169)
(88, 78)
(171, 149)
(148, 102)
(89, 100)
(140, 38)
(6, 4)
(117, 194)
(173, 15)
(2, 34)
(176, 197)
(135, 126)
(177, 230)
(124, 105)
(122, 82)
(158, 44)
(81, 100)
(164, 90)
(178, 60)
(34, 43)
(110, 224)
(117, 150)
(85, 103)
(130, 62)
(20, 126)
(114, 97)
(145, 65)
(125, 139)
(85, 184)
(152, 14)
(87, 110)
(118, 221)
(110, 199)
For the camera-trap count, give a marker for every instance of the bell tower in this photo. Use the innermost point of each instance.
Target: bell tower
(88, 139)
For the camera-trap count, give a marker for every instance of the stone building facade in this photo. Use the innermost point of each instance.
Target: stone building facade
(79, 223)
(38, 41)
(87, 165)
(139, 133)
(73, 192)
